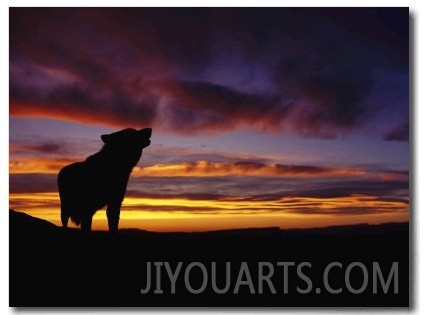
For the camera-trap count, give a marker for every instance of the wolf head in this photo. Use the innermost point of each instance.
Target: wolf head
(129, 138)
(127, 144)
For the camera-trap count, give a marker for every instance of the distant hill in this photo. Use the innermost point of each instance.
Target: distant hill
(24, 222)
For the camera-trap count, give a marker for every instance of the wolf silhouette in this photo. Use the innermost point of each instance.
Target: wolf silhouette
(101, 180)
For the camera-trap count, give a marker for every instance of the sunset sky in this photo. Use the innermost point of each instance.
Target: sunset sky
(288, 117)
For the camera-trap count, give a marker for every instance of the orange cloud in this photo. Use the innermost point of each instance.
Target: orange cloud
(206, 169)
(26, 165)
(389, 176)
(37, 165)
(71, 112)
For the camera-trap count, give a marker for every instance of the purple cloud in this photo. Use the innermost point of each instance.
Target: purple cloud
(301, 71)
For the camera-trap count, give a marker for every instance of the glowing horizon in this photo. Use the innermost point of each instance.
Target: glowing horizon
(177, 214)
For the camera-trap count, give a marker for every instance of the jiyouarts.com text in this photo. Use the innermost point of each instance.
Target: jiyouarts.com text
(270, 277)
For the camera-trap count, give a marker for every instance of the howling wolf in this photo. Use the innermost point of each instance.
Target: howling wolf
(101, 180)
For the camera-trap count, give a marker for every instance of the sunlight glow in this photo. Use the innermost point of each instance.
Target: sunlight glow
(203, 215)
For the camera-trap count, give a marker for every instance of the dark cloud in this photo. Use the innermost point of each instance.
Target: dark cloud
(50, 150)
(358, 187)
(301, 169)
(241, 188)
(43, 148)
(346, 210)
(266, 189)
(82, 102)
(205, 106)
(306, 71)
(398, 133)
(32, 183)
(175, 195)
(178, 155)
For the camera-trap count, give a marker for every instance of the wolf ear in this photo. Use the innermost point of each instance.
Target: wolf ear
(145, 132)
(105, 138)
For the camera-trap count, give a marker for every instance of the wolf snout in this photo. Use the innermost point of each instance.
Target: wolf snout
(146, 133)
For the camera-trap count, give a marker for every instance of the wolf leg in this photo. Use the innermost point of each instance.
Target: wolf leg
(64, 215)
(112, 213)
(86, 223)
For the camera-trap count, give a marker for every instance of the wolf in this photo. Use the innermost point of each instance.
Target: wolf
(101, 180)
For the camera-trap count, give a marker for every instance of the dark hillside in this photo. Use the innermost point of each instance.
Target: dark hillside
(53, 267)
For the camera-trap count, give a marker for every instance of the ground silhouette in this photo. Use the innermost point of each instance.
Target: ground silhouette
(52, 266)
(101, 180)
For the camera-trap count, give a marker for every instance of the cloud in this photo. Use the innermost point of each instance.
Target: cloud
(301, 71)
(49, 147)
(32, 183)
(335, 206)
(327, 89)
(190, 172)
(247, 188)
(170, 155)
(265, 188)
(398, 133)
(397, 189)
(80, 102)
(29, 165)
(244, 168)
(301, 190)
(209, 107)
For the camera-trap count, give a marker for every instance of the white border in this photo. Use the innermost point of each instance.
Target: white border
(416, 170)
